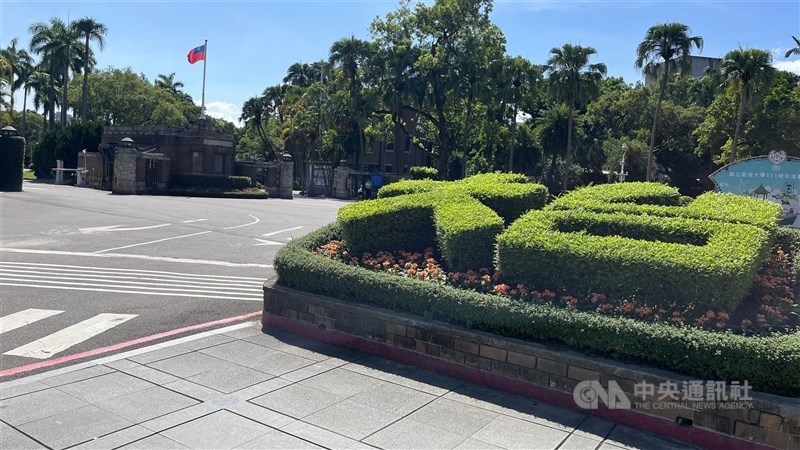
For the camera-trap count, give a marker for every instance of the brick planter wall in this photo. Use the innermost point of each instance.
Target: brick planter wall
(545, 372)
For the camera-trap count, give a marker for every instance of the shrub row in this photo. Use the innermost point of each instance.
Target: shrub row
(211, 181)
(770, 364)
(12, 155)
(423, 172)
(660, 261)
(659, 200)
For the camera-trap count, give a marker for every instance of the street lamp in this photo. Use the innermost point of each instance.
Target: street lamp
(622, 174)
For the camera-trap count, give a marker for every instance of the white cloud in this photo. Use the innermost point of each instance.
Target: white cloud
(789, 66)
(224, 110)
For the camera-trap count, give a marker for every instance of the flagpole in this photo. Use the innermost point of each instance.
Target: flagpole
(203, 98)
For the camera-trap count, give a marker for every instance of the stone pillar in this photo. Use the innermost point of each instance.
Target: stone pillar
(286, 177)
(60, 171)
(341, 176)
(124, 171)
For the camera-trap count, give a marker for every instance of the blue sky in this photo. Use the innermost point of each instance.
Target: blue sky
(252, 42)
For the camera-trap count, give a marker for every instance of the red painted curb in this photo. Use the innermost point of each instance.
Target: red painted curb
(111, 348)
(651, 424)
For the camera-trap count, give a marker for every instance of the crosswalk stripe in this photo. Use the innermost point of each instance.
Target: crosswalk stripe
(107, 269)
(61, 340)
(22, 318)
(248, 292)
(120, 280)
(167, 294)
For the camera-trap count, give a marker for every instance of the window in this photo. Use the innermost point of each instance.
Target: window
(219, 163)
(197, 162)
(389, 147)
(388, 168)
(408, 145)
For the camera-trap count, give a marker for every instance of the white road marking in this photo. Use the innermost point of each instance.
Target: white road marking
(22, 318)
(142, 257)
(72, 280)
(61, 340)
(25, 188)
(167, 294)
(267, 242)
(152, 242)
(281, 231)
(245, 225)
(117, 228)
(195, 220)
(13, 269)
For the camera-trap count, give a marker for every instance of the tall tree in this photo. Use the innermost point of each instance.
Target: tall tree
(26, 75)
(57, 43)
(665, 50)
(14, 58)
(91, 30)
(795, 50)
(574, 81)
(743, 69)
(350, 54)
(168, 83)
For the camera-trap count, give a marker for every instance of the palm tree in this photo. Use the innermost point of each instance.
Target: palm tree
(744, 69)
(91, 30)
(349, 54)
(26, 75)
(299, 74)
(11, 60)
(57, 43)
(168, 83)
(665, 50)
(793, 51)
(573, 80)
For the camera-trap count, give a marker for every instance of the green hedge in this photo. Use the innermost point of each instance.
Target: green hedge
(659, 200)
(770, 364)
(661, 261)
(12, 155)
(404, 187)
(423, 172)
(788, 240)
(211, 181)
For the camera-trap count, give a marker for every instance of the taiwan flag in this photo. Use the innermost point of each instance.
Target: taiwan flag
(197, 54)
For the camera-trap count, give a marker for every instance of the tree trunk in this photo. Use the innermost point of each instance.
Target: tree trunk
(467, 121)
(513, 144)
(24, 111)
(568, 156)
(738, 131)
(64, 100)
(649, 175)
(52, 105)
(85, 96)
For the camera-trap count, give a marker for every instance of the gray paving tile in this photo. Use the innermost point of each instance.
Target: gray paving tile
(193, 390)
(317, 435)
(474, 444)
(594, 428)
(361, 446)
(298, 346)
(278, 439)
(454, 417)
(154, 442)
(160, 353)
(253, 329)
(393, 398)
(228, 377)
(407, 434)
(16, 390)
(408, 376)
(516, 406)
(314, 369)
(512, 433)
(38, 405)
(74, 427)
(260, 414)
(13, 439)
(220, 430)
(105, 387)
(178, 417)
(208, 341)
(262, 388)
(116, 439)
(187, 364)
(627, 437)
(78, 375)
(576, 442)
(343, 383)
(351, 419)
(240, 352)
(147, 404)
(297, 400)
(147, 373)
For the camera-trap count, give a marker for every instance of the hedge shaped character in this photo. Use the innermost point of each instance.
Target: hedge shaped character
(456, 217)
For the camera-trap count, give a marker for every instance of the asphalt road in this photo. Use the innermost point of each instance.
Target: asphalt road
(82, 269)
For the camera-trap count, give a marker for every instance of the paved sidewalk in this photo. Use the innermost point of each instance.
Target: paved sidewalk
(239, 388)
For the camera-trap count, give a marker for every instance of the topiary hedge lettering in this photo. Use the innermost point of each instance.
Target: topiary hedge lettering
(770, 364)
(12, 154)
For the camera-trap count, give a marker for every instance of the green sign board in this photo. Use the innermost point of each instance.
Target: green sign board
(775, 178)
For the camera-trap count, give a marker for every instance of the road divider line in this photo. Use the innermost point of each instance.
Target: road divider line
(120, 291)
(195, 220)
(117, 284)
(245, 225)
(117, 228)
(152, 242)
(281, 231)
(111, 348)
(26, 271)
(141, 257)
(61, 340)
(25, 317)
(65, 267)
